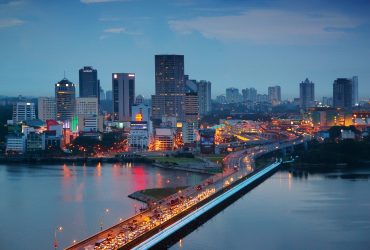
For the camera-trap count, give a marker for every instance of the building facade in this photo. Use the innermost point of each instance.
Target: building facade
(204, 97)
(355, 101)
(87, 106)
(123, 86)
(306, 94)
(23, 111)
(274, 95)
(65, 97)
(342, 93)
(233, 95)
(169, 87)
(89, 85)
(46, 108)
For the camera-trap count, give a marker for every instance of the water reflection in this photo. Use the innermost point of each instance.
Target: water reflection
(36, 199)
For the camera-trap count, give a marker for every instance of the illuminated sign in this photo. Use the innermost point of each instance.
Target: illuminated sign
(131, 75)
(115, 76)
(138, 117)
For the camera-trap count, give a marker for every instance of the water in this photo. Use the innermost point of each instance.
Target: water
(37, 199)
(304, 210)
(308, 210)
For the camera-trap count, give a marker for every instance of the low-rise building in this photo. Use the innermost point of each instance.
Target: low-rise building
(16, 144)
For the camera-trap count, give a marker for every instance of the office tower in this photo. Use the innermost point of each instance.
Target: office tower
(123, 86)
(232, 95)
(87, 106)
(23, 111)
(169, 87)
(307, 94)
(221, 99)
(89, 83)
(355, 91)
(109, 95)
(274, 95)
(65, 97)
(46, 108)
(204, 97)
(342, 93)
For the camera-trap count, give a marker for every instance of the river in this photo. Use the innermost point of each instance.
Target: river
(315, 209)
(36, 199)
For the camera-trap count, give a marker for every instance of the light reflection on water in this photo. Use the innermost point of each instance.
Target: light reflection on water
(37, 199)
(312, 209)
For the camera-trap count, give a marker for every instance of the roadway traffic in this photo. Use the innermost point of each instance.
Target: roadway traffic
(138, 228)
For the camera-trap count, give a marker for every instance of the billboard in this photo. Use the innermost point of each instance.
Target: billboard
(207, 141)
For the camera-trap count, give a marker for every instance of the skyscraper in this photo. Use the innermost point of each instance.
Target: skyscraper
(354, 90)
(274, 95)
(233, 95)
(307, 94)
(169, 87)
(123, 87)
(89, 83)
(46, 108)
(204, 96)
(65, 97)
(342, 93)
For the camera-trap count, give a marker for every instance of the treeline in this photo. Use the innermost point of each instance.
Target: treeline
(346, 151)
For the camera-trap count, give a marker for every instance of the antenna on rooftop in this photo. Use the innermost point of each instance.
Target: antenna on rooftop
(64, 74)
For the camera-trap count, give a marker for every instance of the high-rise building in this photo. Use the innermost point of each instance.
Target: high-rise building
(307, 94)
(342, 93)
(102, 94)
(233, 95)
(191, 124)
(253, 94)
(23, 111)
(204, 97)
(88, 82)
(169, 87)
(274, 95)
(109, 95)
(139, 100)
(123, 86)
(355, 91)
(65, 97)
(87, 106)
(46, 108)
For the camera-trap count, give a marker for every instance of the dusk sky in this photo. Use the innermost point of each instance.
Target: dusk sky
(230, 43)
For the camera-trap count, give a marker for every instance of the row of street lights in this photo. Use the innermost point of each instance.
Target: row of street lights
(61, 229)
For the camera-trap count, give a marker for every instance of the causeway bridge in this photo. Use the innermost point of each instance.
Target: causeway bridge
(159, 221)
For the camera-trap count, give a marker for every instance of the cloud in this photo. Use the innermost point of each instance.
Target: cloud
(7, 23)
(115, 30)
(101, 1)
(269, 26)
(12, 3)
(109, 19)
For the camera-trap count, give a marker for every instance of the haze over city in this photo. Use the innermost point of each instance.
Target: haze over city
(184, 124)
(235, 43)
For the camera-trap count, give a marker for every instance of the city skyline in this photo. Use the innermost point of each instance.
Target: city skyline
(315, 40)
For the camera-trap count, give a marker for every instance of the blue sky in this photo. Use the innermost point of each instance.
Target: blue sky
(230, 43)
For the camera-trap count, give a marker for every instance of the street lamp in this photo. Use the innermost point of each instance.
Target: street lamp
(56, 230)
(106, 212)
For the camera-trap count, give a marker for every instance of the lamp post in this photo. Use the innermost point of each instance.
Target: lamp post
(56, 230)
(106, 211)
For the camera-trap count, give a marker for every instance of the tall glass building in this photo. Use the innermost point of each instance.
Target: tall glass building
(65, 97)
